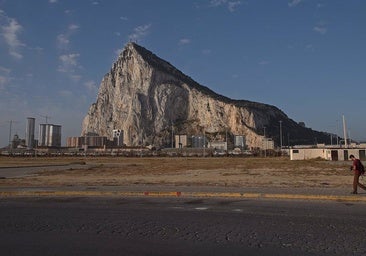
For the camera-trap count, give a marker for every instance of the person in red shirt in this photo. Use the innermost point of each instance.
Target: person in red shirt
(357, 172)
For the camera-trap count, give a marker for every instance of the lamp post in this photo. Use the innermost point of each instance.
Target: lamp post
(204, 143)
(337, 133)
(265, 141)
(172, 135)
(345, 132)
(281, 134)
(10, 142)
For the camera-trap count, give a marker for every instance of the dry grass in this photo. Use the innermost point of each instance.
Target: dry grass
(250, 172)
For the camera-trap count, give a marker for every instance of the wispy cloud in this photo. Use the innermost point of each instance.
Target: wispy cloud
(91, 86)
(215, 3)
(65, 93)
(309, 47)
(69, 61)
(69, 64)
(4, 70)
(264, 62)
(231, 5)
(53, 1)
(3, 82)
(63, 39)
(73, 27)
(139, 32)
(206, 51)
(118, 52)
(75, 77)
(10, 30)
(294, 3)
(4, 77)
(320, 29)
(184, 41)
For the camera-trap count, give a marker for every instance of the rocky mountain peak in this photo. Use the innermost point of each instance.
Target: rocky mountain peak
(147, 97)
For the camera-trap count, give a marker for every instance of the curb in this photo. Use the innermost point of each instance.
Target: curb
(9, 194)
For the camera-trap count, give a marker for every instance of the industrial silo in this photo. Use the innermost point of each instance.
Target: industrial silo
(29, 132)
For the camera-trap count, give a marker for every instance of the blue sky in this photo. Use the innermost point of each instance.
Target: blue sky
(307, 57)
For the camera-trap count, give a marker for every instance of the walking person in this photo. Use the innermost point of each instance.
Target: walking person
(358, 170)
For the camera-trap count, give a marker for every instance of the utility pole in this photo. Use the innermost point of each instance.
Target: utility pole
(281, 134)
(345, 132)
(10, 144)
(142, 142)
(172, 135)
(226, 137)
(337, 133)
(204, 143)
(130, 135)
(265, 141)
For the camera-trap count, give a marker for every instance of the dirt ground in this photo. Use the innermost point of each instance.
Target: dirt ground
(225, 171)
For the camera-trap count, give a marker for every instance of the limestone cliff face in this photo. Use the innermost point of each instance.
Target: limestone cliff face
(147, 97)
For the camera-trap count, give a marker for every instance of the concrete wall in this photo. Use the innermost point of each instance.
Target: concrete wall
(334, 154)
(306, 153)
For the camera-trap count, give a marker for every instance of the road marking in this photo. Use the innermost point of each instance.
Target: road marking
(201, 208)
(177, 207)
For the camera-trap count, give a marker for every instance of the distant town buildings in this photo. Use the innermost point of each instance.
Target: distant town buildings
(92, 140)
(49, 142)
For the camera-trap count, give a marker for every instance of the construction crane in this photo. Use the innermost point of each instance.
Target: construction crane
(46, 117)
(10, 130)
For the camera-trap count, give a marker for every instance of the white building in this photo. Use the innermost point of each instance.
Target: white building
(180, 141)
(239, 141)
(218, 145)
(267, 144)
(118, 137)
(334, 154)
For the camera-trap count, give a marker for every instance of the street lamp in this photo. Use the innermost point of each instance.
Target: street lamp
(281, 134)
(264, 141)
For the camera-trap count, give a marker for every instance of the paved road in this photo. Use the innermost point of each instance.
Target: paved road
(180, 226)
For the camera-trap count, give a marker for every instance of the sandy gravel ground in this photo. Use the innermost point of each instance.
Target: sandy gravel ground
(232, 172)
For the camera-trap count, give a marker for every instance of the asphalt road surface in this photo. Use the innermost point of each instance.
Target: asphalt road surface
(180, 226)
